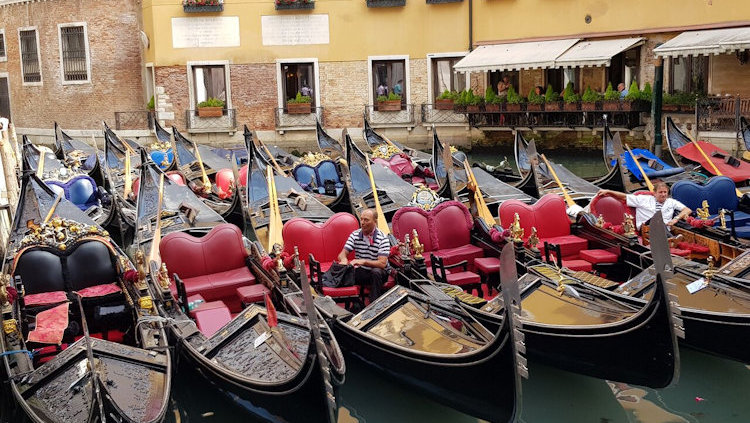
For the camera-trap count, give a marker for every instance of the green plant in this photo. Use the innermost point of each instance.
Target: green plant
(393, 97)
(550, 96)
(569, 96)
(680, 97)
(489, 96)
(211, 102)
(448, 95)
(535, 98)
(513, 96)
(382, 98)
(590, 96)
(150, 104)
(646, 94)
(634, 93)
(610, 94)
(299, 98)
(464, 98)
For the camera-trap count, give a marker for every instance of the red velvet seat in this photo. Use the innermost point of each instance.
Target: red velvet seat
(211, 317)
(212, 266)
(487, 267)
(176, 177)
(578, 265)
(599, 256)
(610, 208)
(224, 182)
(679, 252)
(444, 231)
(252, 294)
(570, 245)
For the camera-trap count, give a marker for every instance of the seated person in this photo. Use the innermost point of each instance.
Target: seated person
(371, 249)
(647, 205)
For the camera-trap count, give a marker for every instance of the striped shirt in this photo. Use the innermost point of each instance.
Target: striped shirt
(366, 247)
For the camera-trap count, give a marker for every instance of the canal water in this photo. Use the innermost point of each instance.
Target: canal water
(709, 389)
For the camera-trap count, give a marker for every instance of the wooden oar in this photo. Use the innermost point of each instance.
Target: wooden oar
(153, 255)
(703, 153)
(482, 210)
(40, 165)
(382, 224)
(128, 181)
(52, 209)
(204, 175)
(272, 159)
(274, 218)
(568, 198)
(643, 173)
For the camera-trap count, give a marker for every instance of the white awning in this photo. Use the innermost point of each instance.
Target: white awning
(595, 53)
(514, 56)
(710, 41)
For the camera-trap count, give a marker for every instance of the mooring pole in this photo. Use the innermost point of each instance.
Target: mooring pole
(656, 103)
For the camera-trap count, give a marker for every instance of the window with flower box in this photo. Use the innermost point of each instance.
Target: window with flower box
(295, 4)
(388, 79)
(199, 6)
(29, 49)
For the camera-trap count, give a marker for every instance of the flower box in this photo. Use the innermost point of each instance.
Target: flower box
(471, 108)
(553, 106)
(611, 106)
(534, 107)
(297, 4)
(210, 111)
(389, 106)
(572, 107)
(670, 107)
(491, 107)
(443, 1)
(443, 104)
(298, 108)
(199, 6)
(513, 107)
(386, 3)
(627, 106)
(588, 107)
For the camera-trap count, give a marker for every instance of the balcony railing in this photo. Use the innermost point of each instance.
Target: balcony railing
(286, 120)
(721, 113)
(403, 117)
(431, 115)
(227, 122)
(141, 119)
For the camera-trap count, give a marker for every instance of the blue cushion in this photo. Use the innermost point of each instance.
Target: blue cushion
(158, 158)
(80, 190)
(743, 232)
(740, 218)
(326, 170)
(719, 191)
(304, 174)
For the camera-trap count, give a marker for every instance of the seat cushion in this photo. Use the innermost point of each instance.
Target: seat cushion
(220, 250)
(463, 278)
(325, 241)
(679, 252)
(548, 216)
(740, 218)
(97, 291)
(40, 271)
(344, 291)
(211, 317)
(252, 293)
(570, 245)
(90, 264)
(487, 265)
(598, 256)
(468, 252)
(610, 208)
(45, 298)
(719, 192)
(578, 265)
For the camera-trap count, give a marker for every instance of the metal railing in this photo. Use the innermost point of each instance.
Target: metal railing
(721, 113)
(226, 122)
(430, 115)
(404, 117)
(297, 120)
(140, 119)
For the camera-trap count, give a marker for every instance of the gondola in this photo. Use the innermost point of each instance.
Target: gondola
(160, 150)
(267, 358)
(745, 131)
(208, 175)
(538, 180)
(711, 158)
(375, 141)
(73, 183)
(270, 154)
(78, 154)
(82, 342)
(327, 144)
(121, 160)
(494, 190)
(393, 192)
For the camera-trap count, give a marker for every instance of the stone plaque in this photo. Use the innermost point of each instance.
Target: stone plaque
(219, 31)
(294, 30)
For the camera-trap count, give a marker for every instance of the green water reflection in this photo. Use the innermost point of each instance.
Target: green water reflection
(584, 163)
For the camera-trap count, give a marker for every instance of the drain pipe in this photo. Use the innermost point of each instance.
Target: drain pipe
(471, 25)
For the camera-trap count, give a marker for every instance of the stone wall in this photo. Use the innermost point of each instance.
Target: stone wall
(116, 67)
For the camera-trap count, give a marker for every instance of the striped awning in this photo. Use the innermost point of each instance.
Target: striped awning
(706, 42)
(595, 53)
(514, 56)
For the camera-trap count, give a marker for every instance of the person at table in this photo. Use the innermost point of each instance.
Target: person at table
(371, 249)
(647, 205)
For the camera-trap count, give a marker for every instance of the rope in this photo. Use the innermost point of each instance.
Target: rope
(30, 354)
(151, 319)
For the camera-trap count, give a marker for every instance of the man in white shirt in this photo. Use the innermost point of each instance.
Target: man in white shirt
(647, 205)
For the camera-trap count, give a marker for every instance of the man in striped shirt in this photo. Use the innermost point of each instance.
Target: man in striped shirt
(371, 249)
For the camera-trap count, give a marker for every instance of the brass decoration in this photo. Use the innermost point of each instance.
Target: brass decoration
(385, 152)
(628, 226)
(711, 271)
(416, 245)
(533, 240)
(723, 218)
(10, 326)
(146, 303)
(313, 159)
(163, 276)
(702, 212)
(516, 231)
(424, 198)
(160, 146)
(600, 221)
(59, 233)
(453, 149)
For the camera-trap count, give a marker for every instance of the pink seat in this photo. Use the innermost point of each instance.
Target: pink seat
(243, 175)
(344, 291)
(598, 256)
(462, 278)
(611, 209)
(487, 265)
(176, 177)
(252, 294)
(578, 265)
(679, 252)
(570, 245)
(212, 266)
(211, 317)
(224, 183)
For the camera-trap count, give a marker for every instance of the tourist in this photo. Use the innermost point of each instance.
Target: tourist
(397, 89)
(622, 89)
(647, 205)
(382, 89)
(371, 249)
(538, 90)
(502, 86)
(306, 91)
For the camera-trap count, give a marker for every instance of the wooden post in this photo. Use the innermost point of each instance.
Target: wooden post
(8, 157)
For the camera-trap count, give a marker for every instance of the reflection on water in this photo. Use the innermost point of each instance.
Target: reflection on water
(584, 163)
(709, 390)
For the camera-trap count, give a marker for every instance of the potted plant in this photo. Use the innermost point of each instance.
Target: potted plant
(193, 6)
(475, 103)
(687, 101)
(670, 103)
(611, 99)
(535, 102)
(570, 98)
(633, 95)
(294, 4)
(514, 100)
(212, 107)
(300, 104)
(489, 101)
(589, 99)
(551, 100)
(445, 100)
(389, 103)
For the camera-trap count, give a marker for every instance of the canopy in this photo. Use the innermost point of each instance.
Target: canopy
(595, 53)
(710, 41)
(514, 56)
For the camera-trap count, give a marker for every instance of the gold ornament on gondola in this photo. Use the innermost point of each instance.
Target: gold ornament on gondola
(313, 159)
(710, 272)
(628, 226)
(702, 212)
(424, 198)
(533, 240)
(10, 326)
(163, 276)
(600, 221)
(146, 303)
(59, 233)
(385, 151)
(516, 231)
(723, 218)
(416, 245)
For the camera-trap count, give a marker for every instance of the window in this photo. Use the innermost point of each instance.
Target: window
(74, 55)
(624, 67)
(3, 56)
(298, 78)
(388, 77)
(4, 97)
(497, 76)
(29, 46)
(445, 78)
(559, 79)
(209, 82)
(689, 74)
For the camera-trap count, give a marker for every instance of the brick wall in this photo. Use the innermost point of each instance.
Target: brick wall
(116, 78)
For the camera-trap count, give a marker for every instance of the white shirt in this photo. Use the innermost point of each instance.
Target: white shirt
(645, 208)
